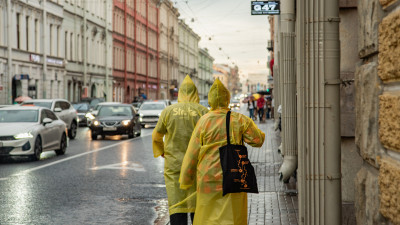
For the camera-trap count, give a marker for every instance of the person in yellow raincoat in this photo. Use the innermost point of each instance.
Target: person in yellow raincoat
(202, 161)
(177, 122)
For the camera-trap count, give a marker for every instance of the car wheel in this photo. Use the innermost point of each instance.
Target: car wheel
(103, 136)
(138, 134)
(72, 131)
(94, 136)
(37, 149)
(63, 145)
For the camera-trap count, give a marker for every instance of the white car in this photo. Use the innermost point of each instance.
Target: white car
(29, 131)
(149, 112)
(62, 108)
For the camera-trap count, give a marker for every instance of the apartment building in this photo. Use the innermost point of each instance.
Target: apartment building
(188, 53)
(205, 77)
(135, 49)
(169, 50)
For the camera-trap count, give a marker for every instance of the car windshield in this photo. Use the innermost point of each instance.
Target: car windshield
(152, 107)
(18, 116)
(41, 104)
(81, 107)
(115, 111)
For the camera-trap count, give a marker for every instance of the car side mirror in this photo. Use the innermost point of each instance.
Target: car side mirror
(57, 110)
(47, 120)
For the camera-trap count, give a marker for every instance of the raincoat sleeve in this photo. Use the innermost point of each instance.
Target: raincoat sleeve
(252, 135)
(158, 135)
(189, 164)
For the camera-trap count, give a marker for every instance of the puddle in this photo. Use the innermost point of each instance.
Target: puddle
(162, 212)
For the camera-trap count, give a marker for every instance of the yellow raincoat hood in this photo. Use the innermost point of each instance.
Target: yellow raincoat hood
(218, 96)
(188, 91)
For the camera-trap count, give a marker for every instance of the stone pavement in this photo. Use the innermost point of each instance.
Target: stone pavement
(275, 204)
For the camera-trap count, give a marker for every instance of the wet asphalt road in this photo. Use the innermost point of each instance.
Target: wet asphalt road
(111, 181)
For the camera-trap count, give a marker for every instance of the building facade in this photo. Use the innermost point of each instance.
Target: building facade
(31, 50)
(169, 50)
(188, 53)
(87, 44)
(48, 53)
(135, 50)
(205, 77)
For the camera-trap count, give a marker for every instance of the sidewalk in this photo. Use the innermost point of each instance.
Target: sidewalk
(272, 206)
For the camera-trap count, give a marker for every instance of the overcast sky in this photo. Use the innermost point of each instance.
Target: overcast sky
(228, 25)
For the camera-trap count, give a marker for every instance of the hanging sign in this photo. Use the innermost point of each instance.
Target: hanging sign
(265, 8)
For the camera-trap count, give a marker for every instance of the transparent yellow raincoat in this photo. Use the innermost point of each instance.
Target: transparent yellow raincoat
(177, 123)
(202, 159)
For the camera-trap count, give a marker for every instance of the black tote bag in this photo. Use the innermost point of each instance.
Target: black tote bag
(238, 173)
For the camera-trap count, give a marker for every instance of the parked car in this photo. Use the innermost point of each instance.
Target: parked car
(234, 103)
(93, 101)
(62, 108)
(150, 112)
(92, 114)
(82, 108)
(29, 131)
(174, 102)
(116, 119)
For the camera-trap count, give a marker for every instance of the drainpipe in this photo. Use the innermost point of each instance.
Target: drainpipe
(301, 56)
(85, 53)
(288, 81)
(44, 38)
(9, 50)
(320, 201)
(107, 88)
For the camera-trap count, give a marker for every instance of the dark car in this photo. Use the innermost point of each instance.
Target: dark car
(116, 119)
(82, 109)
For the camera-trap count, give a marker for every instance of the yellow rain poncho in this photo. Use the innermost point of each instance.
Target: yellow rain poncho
(177, 122)
(202, 161)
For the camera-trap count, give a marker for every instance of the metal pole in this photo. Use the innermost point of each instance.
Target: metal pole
(9, 50)
(44, 38)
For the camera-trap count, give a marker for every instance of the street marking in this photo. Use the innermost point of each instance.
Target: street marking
(69, 158)
(121, 166)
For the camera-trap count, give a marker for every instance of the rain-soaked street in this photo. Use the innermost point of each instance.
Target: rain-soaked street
(111, 181)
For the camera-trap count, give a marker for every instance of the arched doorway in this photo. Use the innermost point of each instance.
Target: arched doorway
(93, 92)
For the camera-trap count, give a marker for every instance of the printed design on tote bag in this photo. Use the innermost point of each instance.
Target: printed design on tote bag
(242, 170)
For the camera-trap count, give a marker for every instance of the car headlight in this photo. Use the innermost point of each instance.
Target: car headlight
(126, 122)
(159, 114)
(96, 123)
(140, 119)
(23, 135)
(141, 114)
(90, 116)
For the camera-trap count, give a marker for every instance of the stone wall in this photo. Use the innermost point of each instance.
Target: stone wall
(377, 185)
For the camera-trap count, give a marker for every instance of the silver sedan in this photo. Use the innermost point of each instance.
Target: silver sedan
(29, 131)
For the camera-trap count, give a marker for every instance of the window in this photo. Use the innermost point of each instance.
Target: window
(51, 39)
(50, 114)
(57, 105)
(66, 45)
(18, 44)
(36, 38)
(58, 41)
(71, 47)
(65, 105)
(27, 32)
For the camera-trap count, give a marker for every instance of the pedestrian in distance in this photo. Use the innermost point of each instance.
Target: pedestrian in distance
(202, 161)
(260, 107)
(176, 123)
(251, 105)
